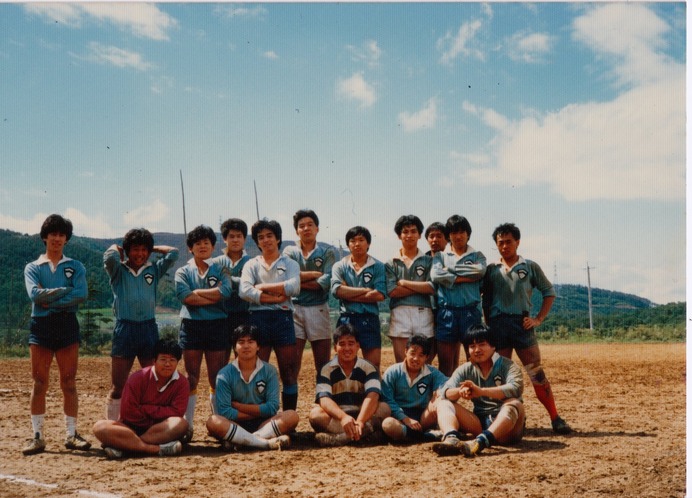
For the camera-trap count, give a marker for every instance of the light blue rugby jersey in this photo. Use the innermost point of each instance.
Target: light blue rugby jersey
(419, 271)
(234, 304)
(282, 270)
(61, 288)
(134, 293)
(508, 290)
(262, 389)
(188, 279)
(400, 391)
(447, 266)
(321, 259)
(372, 276)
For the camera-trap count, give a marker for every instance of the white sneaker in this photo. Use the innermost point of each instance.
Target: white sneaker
(170, 449)
(279, 443)
(112, 453)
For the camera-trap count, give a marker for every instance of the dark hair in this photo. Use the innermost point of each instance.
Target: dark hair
(343, 330)
(245, 330)
(478, 333)
(138, 237)
(233, 224)
(420, 340)
(507, 228)
(406, 220)
(305, 213)
(56, 224)
(265, 224)
(200, 233)
(436, 226)
(356, 231)
(456, 223)
(168, 346)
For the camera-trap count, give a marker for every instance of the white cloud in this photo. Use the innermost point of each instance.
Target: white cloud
(369, 52)
(83, 225)
(270, 54)
(114, 56)
(424, 118)
(30, 226)
(356, 88)
(142, 20)
(231, 11)
(161, 84)
(146, 215)
(452, 46)
(529, 47)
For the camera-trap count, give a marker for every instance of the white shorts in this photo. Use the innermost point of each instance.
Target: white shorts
(312, 323)
(406, 321)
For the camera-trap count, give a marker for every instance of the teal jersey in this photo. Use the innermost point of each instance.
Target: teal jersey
(371, 276)
(188, 279)
(283, 270)
(447, 266)
(234, 304)
(419, 271)
(400, 391)
(504, 374)
(261, 389)
(321, 259)
(508, 290)
(57, 289)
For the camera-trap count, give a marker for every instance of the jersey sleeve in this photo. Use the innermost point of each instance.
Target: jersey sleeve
(329, 259)
(389, 394)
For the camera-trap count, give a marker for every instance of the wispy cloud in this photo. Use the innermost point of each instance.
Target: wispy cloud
(422, 119)
(231, 11)
(529, 47)
(369, 53)
(270, 54)
(356, 88)
(142, 20)
(114, 56)
(146, 215)
(452, 45)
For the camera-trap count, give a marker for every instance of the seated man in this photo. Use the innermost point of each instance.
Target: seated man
(409, 388)
(152, 408)
(247, 400)
(347, 394)
(494, 385)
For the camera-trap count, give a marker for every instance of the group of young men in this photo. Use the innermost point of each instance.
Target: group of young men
(278, 301)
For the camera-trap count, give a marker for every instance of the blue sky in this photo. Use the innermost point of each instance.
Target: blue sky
(567, 119)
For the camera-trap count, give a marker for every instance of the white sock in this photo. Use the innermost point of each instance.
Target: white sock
(113, 409)
(268, 431)
(190, 411)
(70, 425)
(37, 424)
(238, 435)
(212, 402)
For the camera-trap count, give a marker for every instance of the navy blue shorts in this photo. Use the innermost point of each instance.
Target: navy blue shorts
(414, 412)
(204, 335)
(367, 327)
(134, 339)
(251, 425)
(508, 332)
(55, 331)
(276, 327)
(452, 323)
(139, 430)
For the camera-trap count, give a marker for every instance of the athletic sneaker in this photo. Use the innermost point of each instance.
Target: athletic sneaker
(228, 446)
(451, 445)
(34, 446)
(77, 442)
(326, 439)
(433, 435)
(112, 453)
(187, 437)
(560, 426)
(471, 448)
(170, 449)
(279, 443)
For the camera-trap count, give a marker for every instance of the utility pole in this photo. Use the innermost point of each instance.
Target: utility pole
(182, 189)
(588, 279)
(256, 201)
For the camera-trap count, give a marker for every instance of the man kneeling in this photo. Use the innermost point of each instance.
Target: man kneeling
(247, 400)
(152, 408)
(494, 385)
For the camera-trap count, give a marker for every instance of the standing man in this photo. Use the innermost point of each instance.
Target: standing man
(56, 285)
(311, 309)
(134, 281)
(436, 235)
(507, 290)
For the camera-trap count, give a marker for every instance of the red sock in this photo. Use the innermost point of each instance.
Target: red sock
(545, 396)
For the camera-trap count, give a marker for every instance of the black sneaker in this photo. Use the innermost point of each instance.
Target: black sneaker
(561, 427)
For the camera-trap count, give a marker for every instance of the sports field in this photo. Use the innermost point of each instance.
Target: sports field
(626, 402)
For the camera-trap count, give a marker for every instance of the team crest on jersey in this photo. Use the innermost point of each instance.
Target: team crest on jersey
(318, 262)
(68, 272)
(522, 273)
(422, 387)
(468, 262)
(498, 380)
(367, 277)
(149, 278)
(212, 280)
(420, 270)
(260, 386)
(281, 270)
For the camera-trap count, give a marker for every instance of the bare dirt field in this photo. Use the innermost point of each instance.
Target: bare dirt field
(626, 402)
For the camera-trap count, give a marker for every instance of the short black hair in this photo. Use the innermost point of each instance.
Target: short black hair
(233, 224)
(437, 226)
(507, 228)
(343, 330)
(406, 220)
(200, 233)
(478, 333)
(356, 231)
(245, 330)
(305, 213)
(425, 343)
(456, 223)
(138, 237)
(168, 346)
(265, 224)
(56, 224)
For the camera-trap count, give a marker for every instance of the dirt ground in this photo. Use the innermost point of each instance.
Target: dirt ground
(626, 402)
